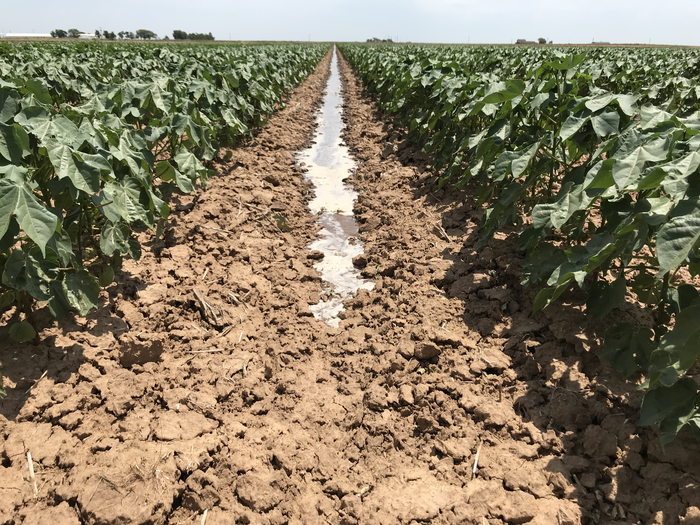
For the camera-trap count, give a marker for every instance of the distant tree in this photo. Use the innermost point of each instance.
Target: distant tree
(179, 35)
(378, 40)
(120, 35)
(166, 37)
(73, 33)
(542, 40)
(145, 34)
(129, 35)
(109, 35)
(59, 33)
(200, 36)
(98, 34)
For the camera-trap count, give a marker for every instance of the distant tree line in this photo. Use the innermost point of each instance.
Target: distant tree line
(142, 34)
(377, 40)
(183, 35)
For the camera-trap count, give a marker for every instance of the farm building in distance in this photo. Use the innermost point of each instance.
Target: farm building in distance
(522, 41)
(27, 35)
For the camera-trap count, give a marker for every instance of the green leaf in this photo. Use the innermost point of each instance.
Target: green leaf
(9, 102)
(572, 198)
(7, 298)
(33, 217)
(542, 299)
(653, 116)
(649, 290)
(125, 198)
(35, 220)
(134, 249)
(663, 402)
(82, 291)
(572, 124)
(607, 123)
(600, 101)
(513, 88)
(233, 80)
(523, 160)
(167, 172)
(68, 163)
(679, 349)
(680, 298)
(628, 103)
(600, 176)
(14, 173)
(628, 168)
(679, 173)
(8, 240)
(107, 275)
(62, 245)
(547, 296)
(604, 297)
(39, 89)
(9, 192)
(627, 348)
(37, 121)
(115, 237)
(22, 332)
(676, 238)
(27, 271)
(671, 425)
(568, 62)
(189, 164)
(14, 141)
(652, 179)
(58, 303)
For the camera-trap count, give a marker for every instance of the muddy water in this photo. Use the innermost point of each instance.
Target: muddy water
(328, 162)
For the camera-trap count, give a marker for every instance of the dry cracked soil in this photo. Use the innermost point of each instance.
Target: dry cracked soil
(203, 391)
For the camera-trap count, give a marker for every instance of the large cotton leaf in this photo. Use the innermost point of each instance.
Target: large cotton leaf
(14, 141)
(671, 407)
(39, 89)
(679, 349)
(35, 220)
(84, 175)
(600, 101)
(678, 172)
(8, 104)
(603, 297)
(167, 172)
(30, 272)
(572, 124)
(678, 236)
(628, 348)
(627, 170)
(115, 238)
(82, 291)
(513, 88)
(37, 121)
(607, 123)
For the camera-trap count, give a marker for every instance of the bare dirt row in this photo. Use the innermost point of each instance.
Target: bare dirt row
(204, 391)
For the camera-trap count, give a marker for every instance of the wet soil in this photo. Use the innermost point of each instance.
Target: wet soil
(328, 165)
(439, 399)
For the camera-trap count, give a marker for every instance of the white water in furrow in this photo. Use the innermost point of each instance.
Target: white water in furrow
(328, 162)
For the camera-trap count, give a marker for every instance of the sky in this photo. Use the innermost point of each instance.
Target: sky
(672, 22)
